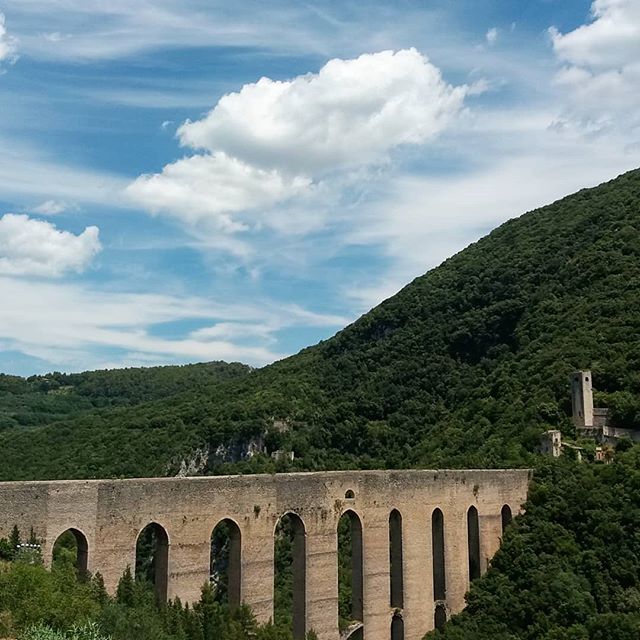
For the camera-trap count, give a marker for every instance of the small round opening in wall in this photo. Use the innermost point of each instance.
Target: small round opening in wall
(349, 495)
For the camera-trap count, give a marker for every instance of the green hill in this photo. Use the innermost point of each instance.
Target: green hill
(44, 399)
(463, 367)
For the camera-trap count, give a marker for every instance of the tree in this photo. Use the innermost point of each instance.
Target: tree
(14, 539)
(125, 590)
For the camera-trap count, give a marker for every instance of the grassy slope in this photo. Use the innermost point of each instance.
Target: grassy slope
(463, 367)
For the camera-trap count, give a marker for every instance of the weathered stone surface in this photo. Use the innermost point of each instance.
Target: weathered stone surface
(111, 514)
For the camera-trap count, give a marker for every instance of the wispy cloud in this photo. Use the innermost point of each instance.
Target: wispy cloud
(492, 35)
(90, 30)
(67, 323)
(29, 175)
(51, 208)
(8, 44)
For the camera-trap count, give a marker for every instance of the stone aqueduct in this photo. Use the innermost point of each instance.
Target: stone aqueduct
(419, 536)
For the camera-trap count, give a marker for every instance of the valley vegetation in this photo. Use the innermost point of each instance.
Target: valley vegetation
(59, 604)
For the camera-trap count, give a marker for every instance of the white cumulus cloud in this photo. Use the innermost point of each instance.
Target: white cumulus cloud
(35, 247)
(352, 112)
(209, 187)
(601, 75)
(611, 39)
(273, 140)
(8, 44)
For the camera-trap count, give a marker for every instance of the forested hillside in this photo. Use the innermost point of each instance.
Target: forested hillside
(44, 399)
(464, 367)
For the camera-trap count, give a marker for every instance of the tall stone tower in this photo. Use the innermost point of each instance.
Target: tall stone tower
(582, 398)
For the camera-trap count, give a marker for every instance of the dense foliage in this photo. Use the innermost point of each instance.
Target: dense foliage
(464, 367)
(569, 568)
(100, 402)
(44, 399)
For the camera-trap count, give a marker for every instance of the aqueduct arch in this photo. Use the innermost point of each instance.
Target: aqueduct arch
(81, 548)
(396, 565)
(437, 555)
(292, 526)
(473, 543)
(441, 516)
(152, 558)
(225, 561)
(507, 516)
(356, 568)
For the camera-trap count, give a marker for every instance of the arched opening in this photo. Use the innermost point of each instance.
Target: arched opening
(290, 559)
(440, 616)
(350, 570)
(397, 627)
(507, 516)
(437, 552)
(152, 559)
(395, 560)
(473, 541)
(349, 494)
(224, 564)
(71, 548)
(353, 632)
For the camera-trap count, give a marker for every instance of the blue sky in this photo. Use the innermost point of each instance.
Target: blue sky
(191, 180)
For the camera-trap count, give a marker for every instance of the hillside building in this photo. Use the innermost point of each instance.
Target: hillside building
(551, 443)
(593, 422)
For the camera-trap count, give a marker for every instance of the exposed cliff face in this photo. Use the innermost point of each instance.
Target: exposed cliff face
(192, 465)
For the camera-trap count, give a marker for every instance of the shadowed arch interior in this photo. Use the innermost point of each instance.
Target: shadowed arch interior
(437, 551)
(356, 634)
(440, 616)
(225, 562)
(397, 627)
(507, 516)
(290, 579)
(473, 542)
(396, 575)
(152, 558)
(72, 546)
(350, 568)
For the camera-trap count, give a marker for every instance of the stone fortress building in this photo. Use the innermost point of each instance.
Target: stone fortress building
(419, 537)
(591, 423)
